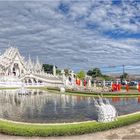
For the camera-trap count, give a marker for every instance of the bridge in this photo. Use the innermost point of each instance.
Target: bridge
(47, 79)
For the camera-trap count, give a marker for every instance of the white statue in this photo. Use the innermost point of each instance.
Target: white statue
(106, 111)
(54, 70)
(62, 89)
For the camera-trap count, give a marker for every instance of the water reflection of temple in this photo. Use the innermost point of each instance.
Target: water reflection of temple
(11, 103)
(40, 106)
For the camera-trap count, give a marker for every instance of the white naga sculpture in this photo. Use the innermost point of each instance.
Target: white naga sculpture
(106, 111)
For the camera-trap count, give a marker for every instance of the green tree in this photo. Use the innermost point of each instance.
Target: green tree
(58, 71)
(81, 74)
(89, 72)
(124, 76)
(96, 72)
(48, 68)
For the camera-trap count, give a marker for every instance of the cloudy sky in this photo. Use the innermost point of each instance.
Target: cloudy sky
(77, 34)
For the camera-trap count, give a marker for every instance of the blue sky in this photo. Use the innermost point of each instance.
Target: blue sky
(77, 34)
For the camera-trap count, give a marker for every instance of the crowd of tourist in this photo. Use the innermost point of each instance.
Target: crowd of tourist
(87, 85)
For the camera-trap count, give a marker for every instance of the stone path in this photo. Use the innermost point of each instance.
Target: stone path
(131, 132)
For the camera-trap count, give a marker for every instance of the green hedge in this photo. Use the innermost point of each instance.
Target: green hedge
(19, 129)
(84, 93)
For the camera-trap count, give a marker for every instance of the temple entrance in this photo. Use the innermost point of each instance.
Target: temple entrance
(16, 70)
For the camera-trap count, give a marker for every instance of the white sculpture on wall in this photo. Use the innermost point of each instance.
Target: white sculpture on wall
(62, 89)
(106, 111)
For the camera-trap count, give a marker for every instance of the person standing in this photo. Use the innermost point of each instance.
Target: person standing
(139, 87)
(127, 87)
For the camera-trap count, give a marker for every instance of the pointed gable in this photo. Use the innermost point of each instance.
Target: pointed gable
(10, 56)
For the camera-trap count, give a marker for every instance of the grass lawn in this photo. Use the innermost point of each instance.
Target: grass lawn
(21, 129)
(131, 93)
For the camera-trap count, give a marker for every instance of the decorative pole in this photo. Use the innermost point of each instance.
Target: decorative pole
(72, 78)
(103, 83)
(89, 83)
(54, 70)
(63, 76)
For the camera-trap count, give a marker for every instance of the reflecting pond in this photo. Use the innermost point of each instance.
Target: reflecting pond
(44, 107)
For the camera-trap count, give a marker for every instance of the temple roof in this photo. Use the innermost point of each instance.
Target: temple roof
(7, 58)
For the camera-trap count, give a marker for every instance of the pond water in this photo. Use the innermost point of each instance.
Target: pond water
(45, 107)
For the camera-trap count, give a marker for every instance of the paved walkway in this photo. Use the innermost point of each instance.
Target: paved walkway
(131, 132)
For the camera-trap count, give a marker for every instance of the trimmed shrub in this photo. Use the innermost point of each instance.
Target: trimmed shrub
(21, 129)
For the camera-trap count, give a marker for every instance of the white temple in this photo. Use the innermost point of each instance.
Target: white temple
(14, 68)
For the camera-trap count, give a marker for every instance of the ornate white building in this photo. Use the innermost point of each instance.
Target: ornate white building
(13, 66)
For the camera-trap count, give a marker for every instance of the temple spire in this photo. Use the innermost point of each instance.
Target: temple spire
(30, 64)
(38, 66)
(29, 60)
(37, 60)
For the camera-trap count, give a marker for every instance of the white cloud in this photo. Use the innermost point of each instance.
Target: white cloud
(41, 29)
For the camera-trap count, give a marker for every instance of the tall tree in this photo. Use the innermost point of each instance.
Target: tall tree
(96, 72)
(124, 76)
(58, 71)
(81, 74)
(48, 68)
